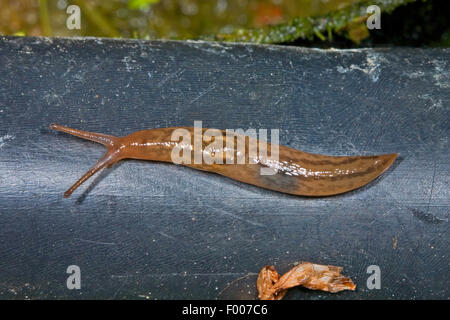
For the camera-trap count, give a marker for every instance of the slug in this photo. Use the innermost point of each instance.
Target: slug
(294, 171)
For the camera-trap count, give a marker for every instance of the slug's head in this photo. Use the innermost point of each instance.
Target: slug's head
(114, 153)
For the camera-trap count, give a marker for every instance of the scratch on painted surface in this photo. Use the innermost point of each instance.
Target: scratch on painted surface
(203, 93)
(130, 64)
(5, 139)
(213, 48)
(96, 242)
(171, 76)
(226, 213)
(371, 67)
(435, 103)
(166, 235)
(441, 76)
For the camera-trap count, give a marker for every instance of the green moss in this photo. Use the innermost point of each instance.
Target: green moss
(343, 21)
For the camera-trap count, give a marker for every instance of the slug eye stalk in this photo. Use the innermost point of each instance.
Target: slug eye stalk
(110, 157)
(297, 172)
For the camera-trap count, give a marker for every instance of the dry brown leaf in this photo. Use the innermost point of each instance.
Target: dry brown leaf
(266, 279)
(310, 275)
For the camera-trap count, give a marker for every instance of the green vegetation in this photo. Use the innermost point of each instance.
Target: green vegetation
(305, 22)
(350, 21)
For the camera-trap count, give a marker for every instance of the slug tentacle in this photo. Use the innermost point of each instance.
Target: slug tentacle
(294, 171)
(107, 160)
(104, 139)
(111, 156)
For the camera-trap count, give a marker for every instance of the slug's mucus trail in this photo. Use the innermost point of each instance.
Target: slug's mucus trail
(298, 172)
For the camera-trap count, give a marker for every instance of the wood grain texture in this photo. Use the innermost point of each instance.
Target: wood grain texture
(143, 229)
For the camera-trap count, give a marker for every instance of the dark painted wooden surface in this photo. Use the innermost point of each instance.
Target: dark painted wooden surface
(144, 229)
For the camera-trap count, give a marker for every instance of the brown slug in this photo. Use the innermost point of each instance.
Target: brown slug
(294, 172)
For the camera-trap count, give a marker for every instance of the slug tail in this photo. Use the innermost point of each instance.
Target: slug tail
(101, 138)
(360, 171)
